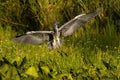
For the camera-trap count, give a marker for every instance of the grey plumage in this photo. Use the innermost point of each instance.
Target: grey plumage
(34, 38)
(70, 27)
(53, 37)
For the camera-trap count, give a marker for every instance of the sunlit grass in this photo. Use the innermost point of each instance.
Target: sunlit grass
(86, 54)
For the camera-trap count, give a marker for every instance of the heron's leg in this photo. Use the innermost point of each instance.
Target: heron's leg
(54, 44)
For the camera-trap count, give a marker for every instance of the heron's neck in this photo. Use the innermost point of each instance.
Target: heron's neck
(56, 38)
(56, 28)
(57, 33)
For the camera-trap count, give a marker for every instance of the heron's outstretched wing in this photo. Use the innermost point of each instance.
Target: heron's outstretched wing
(68, 28)
(33, 38)
(41, 32)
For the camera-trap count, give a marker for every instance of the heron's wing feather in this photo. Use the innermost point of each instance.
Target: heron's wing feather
(35, 38)
(68, 28)
(41, 32)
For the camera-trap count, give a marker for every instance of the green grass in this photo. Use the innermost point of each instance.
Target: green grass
(87, 54)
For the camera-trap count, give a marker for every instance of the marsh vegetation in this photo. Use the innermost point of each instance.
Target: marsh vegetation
(93, 52)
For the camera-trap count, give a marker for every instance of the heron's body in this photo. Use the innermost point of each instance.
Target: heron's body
(38, 37)
(55, 42)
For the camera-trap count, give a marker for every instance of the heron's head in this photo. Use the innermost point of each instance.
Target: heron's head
(56, 25)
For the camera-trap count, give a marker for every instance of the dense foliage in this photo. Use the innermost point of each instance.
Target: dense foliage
(93, 52)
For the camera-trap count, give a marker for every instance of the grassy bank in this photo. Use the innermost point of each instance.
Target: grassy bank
(85, 55)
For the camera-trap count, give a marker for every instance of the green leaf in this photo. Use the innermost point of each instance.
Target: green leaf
(53, 74)
(32, 71)
(4, 68)
(17, 60)
(15, 74)
(45, 69)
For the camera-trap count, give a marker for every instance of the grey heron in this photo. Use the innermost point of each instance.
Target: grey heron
(53, 36)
